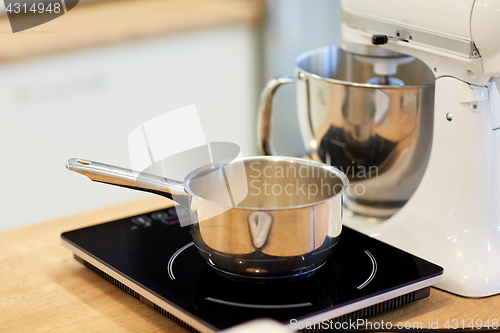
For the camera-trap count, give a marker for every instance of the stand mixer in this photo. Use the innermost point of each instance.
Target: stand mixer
(453, 218)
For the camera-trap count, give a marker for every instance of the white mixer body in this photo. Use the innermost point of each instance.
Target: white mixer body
(450, 18)
(453, 218)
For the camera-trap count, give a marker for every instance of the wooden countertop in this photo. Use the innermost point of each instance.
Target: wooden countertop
(96, 23)
(42, 288)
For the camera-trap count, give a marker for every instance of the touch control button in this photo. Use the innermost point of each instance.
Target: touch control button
(142, 220)
(170, 222)
(165, 217)
(160, 215)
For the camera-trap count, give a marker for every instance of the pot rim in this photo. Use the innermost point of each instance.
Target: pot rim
(208, 168)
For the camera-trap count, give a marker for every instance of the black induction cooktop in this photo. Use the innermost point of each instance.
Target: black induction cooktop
(153, 258)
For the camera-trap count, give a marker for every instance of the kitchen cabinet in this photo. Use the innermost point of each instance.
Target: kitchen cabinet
(77, 86)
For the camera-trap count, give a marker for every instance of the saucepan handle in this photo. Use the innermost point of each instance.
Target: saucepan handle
(265, 113)
(113, 175)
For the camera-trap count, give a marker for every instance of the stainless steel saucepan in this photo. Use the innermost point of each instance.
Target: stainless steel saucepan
(258, 219)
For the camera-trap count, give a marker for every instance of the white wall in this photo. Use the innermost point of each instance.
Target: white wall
(295, 26)
(84, 104)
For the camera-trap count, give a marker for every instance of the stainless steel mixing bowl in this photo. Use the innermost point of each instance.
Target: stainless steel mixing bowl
(377, 133)
(259, 219)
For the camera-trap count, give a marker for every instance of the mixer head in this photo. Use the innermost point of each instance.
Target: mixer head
(459, 38)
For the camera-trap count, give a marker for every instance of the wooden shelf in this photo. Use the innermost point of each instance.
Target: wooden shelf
(106, 22)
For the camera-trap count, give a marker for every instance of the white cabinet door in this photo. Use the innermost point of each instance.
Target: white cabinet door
(85, 104)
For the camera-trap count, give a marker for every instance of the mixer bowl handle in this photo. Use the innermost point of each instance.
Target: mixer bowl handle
(265, 113)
